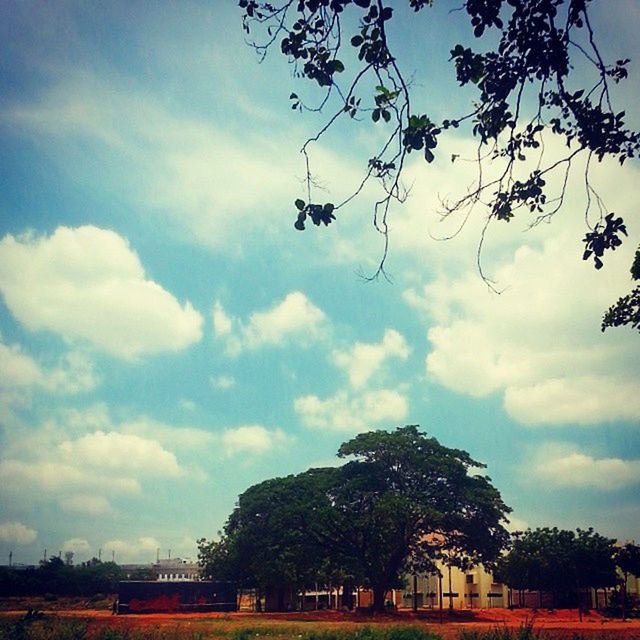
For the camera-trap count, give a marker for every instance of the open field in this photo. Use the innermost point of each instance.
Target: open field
(491, 624)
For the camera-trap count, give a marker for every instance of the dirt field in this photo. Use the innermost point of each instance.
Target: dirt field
(558, 624)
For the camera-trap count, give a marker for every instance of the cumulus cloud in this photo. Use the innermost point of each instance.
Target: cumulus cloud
(17, 533)
(20, 372)
(87, 285)
(141, 549)
(81, 461)
(566, 467)
(295, 319)
(84, 504)
(363, 360)
(352, 413)
(254, 439)
(169, 435)
(538, 343)
(29, 478)
(120, 452)
(79, 546)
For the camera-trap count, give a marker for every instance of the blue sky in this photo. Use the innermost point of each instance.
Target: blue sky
(167, 339)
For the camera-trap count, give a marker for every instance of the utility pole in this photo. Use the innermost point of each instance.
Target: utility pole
(45, 555)
(10, 557)
(100, 554)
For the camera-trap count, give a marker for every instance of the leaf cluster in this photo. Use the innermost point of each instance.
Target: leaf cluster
(534, 48)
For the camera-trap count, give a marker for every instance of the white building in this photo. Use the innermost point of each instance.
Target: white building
(176, 569)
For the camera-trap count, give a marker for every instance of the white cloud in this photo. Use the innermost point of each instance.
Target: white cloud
(516, 524)
(344, 412)
(560, 400)
(168, 435)
(538, 343)
(195, 172)
(79, 546)
(69, 461)
(17, 533)
(29, 478)
(142, 549)
(87, 284)
(295, 319)
(222, 323)
(223, 382)
(120, 452)
(563, 467)
(187, 405)
(73, 374)
(85, 504)
(363, 360)
(254, 439)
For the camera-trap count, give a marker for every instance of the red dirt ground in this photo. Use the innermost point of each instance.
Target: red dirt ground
(560, 624)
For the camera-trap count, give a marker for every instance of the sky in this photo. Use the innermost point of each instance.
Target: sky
(167, 339)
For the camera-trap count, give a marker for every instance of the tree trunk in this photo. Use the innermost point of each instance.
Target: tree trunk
(379, 593)
(440, 595)
(415, 593)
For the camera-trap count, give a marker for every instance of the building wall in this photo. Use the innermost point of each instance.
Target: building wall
(473, 589)
(176, 570)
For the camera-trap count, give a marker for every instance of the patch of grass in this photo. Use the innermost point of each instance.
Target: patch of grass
(390, 632)
(525, 632)
(42, 628)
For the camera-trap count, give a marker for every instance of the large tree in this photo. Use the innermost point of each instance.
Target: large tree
(539, 74)
(388, 510)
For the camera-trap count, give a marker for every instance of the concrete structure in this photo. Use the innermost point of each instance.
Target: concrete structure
(456, 589)
(176, 570)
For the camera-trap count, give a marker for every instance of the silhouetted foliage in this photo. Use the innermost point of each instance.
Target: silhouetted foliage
(524, 96)
(384, 512)
(559, 561)
(57, 578)
(627, 559)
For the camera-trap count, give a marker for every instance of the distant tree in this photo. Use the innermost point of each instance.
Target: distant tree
(540, 75)
(373, 518)
(627, 559)
(559, 561)
(68, 558)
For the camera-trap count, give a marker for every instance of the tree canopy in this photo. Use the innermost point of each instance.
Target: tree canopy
(539, 74)
(386, 511)
(559, 561)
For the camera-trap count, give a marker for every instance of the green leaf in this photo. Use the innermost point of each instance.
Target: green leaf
(299, 204)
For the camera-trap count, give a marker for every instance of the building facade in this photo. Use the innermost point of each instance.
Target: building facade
(176, 570)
